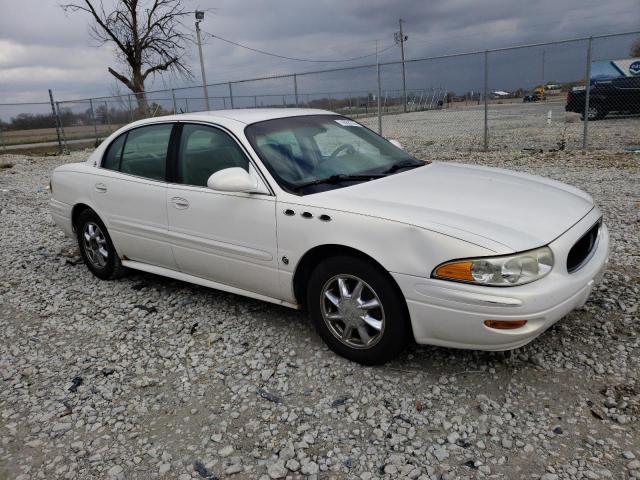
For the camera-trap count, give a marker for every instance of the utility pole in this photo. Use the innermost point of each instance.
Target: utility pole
(199, 18)
(400, 38)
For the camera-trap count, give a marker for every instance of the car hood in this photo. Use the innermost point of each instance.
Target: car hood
(498, 209)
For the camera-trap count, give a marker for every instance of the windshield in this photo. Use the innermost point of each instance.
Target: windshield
(313, 153)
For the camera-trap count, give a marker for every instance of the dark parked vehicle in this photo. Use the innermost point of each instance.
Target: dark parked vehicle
(531, 97)
(620, 95)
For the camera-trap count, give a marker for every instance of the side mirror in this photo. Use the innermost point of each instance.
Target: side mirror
(396, 143)
(234, 179)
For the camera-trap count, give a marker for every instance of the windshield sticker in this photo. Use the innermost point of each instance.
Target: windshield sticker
(348, 123)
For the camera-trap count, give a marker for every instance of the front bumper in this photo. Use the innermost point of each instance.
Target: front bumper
(453, 314)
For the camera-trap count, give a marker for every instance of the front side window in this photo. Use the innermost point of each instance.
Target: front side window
(204, 151)
(312, 153)
(145, 151)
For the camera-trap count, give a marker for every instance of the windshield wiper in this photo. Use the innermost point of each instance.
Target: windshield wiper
(400, 165)
(338, 179)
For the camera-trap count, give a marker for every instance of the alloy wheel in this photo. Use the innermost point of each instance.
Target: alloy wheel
(95, 245)
(352, 311)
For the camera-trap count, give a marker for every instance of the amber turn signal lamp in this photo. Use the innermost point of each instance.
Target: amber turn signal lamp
(456, 271)
(505, 324)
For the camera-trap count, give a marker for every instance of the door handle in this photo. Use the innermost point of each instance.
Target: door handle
(101, 188)
(180, 203)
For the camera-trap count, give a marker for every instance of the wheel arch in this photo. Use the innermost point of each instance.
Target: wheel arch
(82, 205)
(77, 209)
(314, 256)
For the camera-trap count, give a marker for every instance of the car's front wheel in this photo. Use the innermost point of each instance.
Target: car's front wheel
(357, 310)
(96, 247)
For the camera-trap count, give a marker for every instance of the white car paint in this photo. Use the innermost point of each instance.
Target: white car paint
(408, 222)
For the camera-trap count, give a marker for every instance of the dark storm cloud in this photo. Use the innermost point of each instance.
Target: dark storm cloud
(42, 47)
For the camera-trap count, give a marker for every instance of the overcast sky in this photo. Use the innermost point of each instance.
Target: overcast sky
(41, 47)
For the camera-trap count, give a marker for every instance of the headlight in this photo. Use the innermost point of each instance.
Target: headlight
(503, 271)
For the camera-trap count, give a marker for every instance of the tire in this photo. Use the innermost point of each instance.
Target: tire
(387, 326)
(596, 112)
(96, 247)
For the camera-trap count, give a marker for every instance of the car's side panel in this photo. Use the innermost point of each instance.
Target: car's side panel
(228, 238)
(134, 210)
(398, 247)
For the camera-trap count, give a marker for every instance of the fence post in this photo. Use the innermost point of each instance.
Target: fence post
(379, 102)
(2, 144)
(106, 116)
(231, 95)
(173, 97)
(295, 87)
(93, 119)
(486, 100)
(255, 101)
(186, 104)
(130, 108)
(56, 120)
(585, 122)
(64, 138)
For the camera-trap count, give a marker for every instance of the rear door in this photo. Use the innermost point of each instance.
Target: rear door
(628, 94)
(229, 238)
(130, 194)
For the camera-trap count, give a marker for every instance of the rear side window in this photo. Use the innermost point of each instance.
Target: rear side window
(205, 150)
(112, 157)
(145, 151)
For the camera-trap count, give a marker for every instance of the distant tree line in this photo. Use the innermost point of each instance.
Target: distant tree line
(103, 114)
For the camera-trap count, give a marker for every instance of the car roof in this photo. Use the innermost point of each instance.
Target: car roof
(243, 115)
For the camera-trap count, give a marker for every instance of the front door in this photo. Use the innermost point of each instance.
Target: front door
(229, 238)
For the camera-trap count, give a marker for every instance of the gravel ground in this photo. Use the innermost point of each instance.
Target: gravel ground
(541, 125)
(147, 377)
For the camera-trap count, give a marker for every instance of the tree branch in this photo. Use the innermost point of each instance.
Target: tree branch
(90, 9)
(122, 78)
(162, 67)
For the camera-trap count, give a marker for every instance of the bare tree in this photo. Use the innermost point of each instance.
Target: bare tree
(146, 34)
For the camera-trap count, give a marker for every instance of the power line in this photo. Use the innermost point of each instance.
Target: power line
(263, 52)
(279, 64)
(527, 27)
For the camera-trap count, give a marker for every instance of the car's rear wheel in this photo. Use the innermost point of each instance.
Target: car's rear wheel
(357, 310)
(595, 112)
(96, 247)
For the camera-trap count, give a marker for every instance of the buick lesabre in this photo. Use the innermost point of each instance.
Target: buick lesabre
(312, 210)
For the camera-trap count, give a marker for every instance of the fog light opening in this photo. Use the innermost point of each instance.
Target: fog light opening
(505, 324)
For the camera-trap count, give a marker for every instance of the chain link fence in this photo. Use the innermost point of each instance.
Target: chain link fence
(531, 97)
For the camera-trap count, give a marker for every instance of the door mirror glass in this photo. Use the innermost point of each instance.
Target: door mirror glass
(396, 143)
(234, 179)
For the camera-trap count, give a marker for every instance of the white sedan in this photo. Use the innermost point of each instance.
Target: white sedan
(309, 209)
